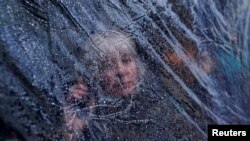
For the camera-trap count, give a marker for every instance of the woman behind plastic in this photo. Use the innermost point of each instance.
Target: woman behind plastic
(124, 102)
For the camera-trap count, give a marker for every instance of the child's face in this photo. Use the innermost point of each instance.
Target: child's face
(118, 73)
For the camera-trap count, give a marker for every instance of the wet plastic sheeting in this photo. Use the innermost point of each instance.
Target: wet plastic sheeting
(122, 70)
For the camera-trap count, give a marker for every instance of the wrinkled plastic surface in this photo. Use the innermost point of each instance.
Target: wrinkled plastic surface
(195, 55)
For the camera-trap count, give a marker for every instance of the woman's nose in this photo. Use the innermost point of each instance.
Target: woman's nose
(120, 71)
(119, 75)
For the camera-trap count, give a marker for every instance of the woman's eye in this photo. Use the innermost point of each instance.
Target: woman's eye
(107, 65)
(126, 60)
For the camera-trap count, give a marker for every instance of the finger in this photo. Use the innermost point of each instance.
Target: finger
(72, 88)
(78, 91)
(74, 97)
(78, 88)
(81, 86)
(77, 96)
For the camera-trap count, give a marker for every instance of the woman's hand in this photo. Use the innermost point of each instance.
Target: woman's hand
(77, 93)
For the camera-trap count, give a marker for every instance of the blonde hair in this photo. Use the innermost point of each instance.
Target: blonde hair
(105, 41)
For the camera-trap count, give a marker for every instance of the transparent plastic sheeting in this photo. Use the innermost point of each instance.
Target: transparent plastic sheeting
(122, 70)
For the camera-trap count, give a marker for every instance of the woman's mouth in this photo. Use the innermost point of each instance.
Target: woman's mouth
(122, 85)
(124, 89)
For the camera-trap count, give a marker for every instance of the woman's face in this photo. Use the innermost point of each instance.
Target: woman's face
(118, 73)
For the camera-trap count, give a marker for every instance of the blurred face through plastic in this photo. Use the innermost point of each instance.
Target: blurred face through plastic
(118, 72)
